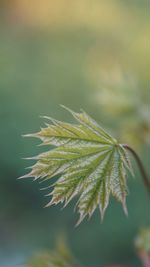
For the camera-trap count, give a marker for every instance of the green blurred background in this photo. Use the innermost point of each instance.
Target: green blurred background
(85, 54)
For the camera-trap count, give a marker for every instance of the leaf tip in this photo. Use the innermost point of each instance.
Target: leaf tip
(81, 218)
(125, 207)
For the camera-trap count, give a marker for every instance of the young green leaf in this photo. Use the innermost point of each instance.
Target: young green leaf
(90, 163)
(61, 256)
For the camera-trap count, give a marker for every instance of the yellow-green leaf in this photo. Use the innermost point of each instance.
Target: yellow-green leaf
(89, 163)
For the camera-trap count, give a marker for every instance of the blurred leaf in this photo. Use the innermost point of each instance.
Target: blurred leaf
(116, 91)
(136, 130)
(142, 241)
(60, 257)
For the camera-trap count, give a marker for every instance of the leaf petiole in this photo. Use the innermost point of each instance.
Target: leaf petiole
(145, 177)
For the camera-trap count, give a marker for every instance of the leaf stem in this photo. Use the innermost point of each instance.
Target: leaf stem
(141, 167)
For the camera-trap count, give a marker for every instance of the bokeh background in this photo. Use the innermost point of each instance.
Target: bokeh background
(85, 54)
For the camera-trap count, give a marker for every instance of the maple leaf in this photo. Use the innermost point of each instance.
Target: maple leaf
(90, 163)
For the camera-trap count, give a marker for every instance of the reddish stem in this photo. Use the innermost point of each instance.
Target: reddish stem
(141, 167)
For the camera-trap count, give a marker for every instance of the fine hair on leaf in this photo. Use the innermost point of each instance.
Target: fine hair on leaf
(90, 164)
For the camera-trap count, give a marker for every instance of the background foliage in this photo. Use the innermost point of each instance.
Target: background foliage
(86, 55)
(60, 256)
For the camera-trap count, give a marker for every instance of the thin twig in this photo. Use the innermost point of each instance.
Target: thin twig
(141, 167)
